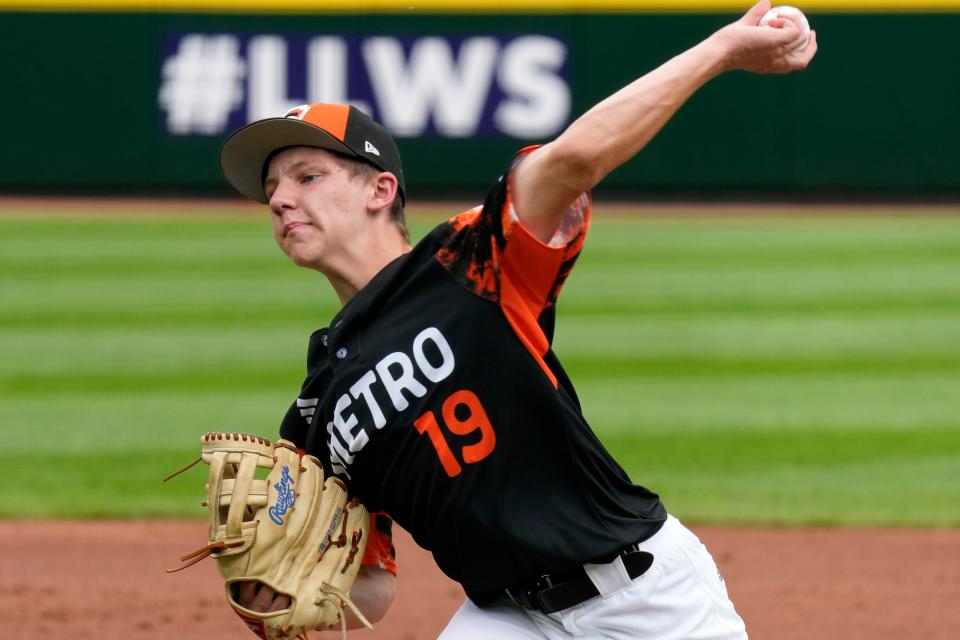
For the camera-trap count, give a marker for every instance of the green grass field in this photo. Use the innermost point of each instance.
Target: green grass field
(781, 369)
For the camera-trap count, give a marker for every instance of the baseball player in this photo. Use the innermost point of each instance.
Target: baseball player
(434, 392)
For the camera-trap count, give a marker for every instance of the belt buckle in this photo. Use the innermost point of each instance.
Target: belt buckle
(523, 598)
(528, 597)
(630, 548)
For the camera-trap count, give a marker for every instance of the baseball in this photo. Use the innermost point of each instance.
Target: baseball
(786, 10)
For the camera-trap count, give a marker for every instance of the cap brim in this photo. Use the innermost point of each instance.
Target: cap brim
(244, 153)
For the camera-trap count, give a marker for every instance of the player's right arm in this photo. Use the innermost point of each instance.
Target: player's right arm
(616, 129)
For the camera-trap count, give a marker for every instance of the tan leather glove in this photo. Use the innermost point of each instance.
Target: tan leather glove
(294, 532)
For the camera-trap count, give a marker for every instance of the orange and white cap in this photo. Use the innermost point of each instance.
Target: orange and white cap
(337, 127)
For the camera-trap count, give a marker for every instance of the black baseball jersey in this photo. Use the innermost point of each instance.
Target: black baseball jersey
(435, 394)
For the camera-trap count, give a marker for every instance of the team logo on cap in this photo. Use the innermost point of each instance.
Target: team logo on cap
(369, 148)
(298, 113)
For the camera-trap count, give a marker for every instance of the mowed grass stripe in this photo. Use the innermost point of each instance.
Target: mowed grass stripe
(108, 484)
(142, 424)
(781, 369)
(211, 376)
(706, 405)
(703, 342)
(809, 476)
(891, 480)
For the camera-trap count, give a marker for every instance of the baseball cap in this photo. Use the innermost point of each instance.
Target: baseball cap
(338, 127)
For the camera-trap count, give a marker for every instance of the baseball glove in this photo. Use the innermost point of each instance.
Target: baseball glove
(294, 532)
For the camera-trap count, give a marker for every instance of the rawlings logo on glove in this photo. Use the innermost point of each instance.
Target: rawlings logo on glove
(285, 497)
(281, 532)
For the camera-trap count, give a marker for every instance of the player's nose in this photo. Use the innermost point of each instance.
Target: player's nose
(282, 199)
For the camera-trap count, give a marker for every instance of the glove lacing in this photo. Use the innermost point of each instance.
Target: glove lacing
(339, 599)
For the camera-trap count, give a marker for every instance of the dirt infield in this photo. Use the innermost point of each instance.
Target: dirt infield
(133, 208)
(79, 580)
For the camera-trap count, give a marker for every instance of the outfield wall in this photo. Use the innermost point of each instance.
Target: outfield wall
(139, 97)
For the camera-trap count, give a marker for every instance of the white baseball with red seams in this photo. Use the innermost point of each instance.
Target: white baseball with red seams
(786, 10)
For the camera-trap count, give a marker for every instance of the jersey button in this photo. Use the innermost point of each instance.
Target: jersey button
(342, 353)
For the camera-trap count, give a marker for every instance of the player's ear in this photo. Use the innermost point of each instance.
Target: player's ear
(385, 187)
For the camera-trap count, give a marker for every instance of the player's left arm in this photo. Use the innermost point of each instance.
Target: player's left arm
(616, 129)
(373, 593)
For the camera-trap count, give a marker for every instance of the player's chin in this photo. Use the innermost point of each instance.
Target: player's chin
(295, 248)
(302, 256)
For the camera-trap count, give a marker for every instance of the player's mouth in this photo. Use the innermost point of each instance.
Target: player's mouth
(290, 227)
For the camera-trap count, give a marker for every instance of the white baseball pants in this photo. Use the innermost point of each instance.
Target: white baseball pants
(681, 597)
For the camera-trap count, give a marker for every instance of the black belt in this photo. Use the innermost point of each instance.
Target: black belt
(559, 591)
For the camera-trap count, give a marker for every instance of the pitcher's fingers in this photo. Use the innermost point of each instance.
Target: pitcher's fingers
(246, 591)
(788, 33)
(807, 54)
(263, 599)
(753, 15)
(802, 30)
(280, 603)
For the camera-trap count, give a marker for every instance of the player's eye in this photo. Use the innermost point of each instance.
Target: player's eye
(307, 179)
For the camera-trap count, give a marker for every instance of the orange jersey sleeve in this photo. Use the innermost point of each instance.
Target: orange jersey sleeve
(492, 254)
(380, 551)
